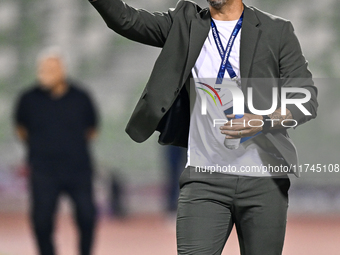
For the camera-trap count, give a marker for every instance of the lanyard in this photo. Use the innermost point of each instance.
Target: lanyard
(225, 54)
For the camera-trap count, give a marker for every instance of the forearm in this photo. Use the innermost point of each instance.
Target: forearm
(278, 121)
(91, 134)
(135, 24)
(22, 133)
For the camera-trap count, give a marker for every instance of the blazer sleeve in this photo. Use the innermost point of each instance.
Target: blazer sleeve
(294, 73)
(137, 24)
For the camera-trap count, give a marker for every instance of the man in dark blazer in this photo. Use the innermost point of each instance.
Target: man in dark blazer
(268, 49)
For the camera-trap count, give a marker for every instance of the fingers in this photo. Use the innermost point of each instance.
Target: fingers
(236, 134)
(230, 116)
(247, 122)
(243, 127)
(235, 126)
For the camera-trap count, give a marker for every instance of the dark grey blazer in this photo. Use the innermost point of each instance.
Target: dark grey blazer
(269, 49)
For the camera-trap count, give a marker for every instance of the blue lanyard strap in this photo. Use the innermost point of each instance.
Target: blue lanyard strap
(225, 54)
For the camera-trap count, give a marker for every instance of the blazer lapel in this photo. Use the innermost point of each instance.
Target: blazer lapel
(249, 37)
(199, 29)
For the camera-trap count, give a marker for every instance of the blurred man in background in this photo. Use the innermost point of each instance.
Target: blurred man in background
(56, 120)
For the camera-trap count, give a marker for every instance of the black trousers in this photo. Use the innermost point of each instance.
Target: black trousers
(210, 205)
(45, 191)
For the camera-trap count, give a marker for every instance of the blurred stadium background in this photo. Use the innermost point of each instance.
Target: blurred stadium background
(115, 71)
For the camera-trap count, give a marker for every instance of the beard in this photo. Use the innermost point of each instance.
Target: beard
(217, 4)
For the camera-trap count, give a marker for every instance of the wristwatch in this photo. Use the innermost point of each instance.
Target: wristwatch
(266, 124)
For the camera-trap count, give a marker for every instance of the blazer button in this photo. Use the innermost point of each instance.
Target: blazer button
(176, 92)
(163, 110)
